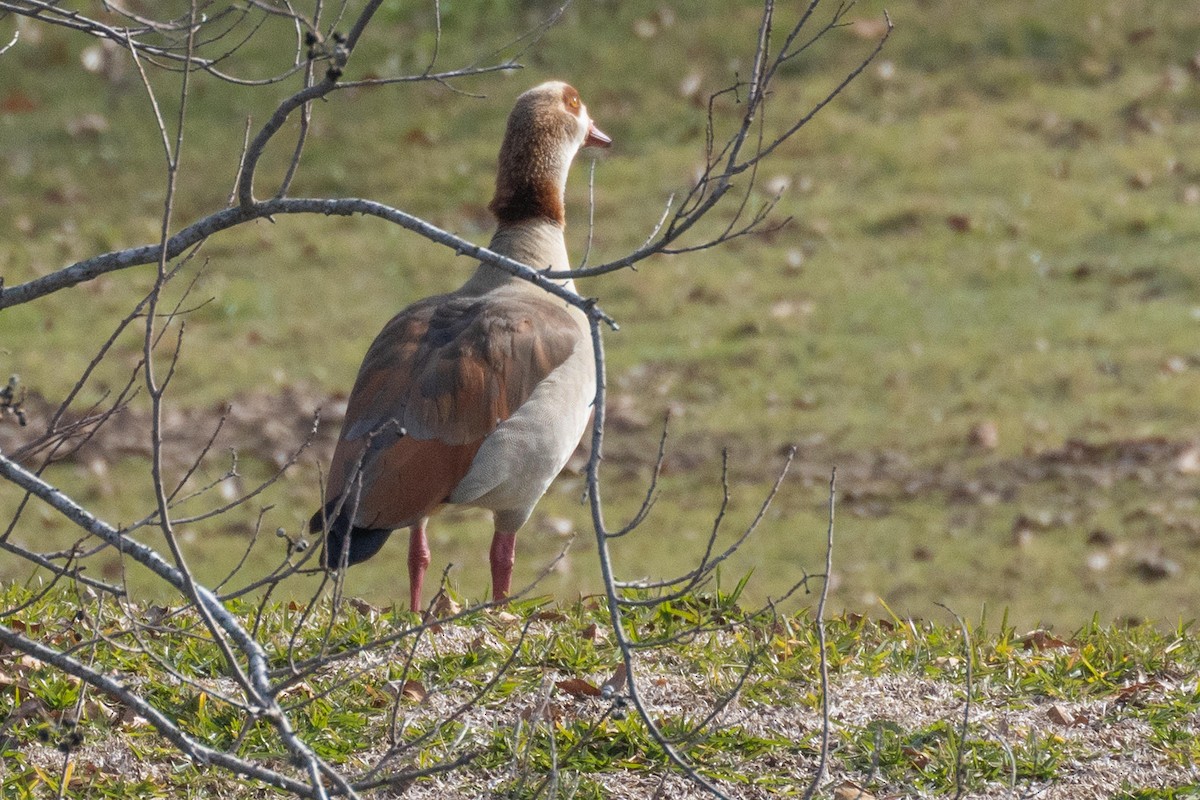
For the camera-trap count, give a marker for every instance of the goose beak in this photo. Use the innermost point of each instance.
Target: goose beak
(596, 137)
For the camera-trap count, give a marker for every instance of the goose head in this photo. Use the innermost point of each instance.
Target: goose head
(547, 127)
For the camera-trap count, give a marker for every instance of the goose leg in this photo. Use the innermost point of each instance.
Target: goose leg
(418, 560)
(503, 554)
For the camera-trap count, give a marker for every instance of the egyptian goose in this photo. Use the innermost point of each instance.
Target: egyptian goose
(477, 397)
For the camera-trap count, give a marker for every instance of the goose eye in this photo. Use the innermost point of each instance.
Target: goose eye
(573, 102)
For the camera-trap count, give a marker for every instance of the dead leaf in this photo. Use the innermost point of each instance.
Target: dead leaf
(1140, 35)
(1062, 715)
(364, 608)
(1040, 640)
(550, 616)
(20, 626)
(849, 790)
(577, 687)
(444, 607)
(29, 708)
(592, 633)
(297, 689)
(419, 137)
(960, 223)
(617, 682)
(414, 690)
(17, 102)
(548, 711)
(7, 680)
(1130, 693)
(506, 617)
(918, 759)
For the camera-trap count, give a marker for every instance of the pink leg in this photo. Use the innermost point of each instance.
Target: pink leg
(418, 560)
(503, 554)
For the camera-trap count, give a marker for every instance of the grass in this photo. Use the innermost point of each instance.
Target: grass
(898, 689)
(871, 331)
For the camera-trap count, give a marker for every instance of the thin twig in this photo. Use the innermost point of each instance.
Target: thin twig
(820, 623)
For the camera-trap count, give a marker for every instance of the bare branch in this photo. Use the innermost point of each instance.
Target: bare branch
(223, 220)
(820, 623)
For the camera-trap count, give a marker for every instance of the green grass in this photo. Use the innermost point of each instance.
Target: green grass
(1120, 679)
(1055, 316)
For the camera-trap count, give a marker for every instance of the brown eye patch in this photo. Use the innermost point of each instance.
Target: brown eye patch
(571, 100)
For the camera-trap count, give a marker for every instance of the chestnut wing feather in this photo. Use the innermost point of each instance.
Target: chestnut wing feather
(447, 370)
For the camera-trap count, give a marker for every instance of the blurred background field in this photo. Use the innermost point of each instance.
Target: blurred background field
(985, 311)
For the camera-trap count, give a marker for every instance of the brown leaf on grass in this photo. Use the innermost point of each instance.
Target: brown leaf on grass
(578, 687)
(419, 137)
(21, 626)
(7, 681)
(593, 632)
(94, 710)
(848, 790)
(1140, 35)
(32, 707)
(364, 608)
(1130, 693)
(444, 607)
(408, 689)
(617, 680)
(296, 690)
(17, 102)
(550, 616)
(918, 759)
(414, 690)
(506, 617)
(548, 711)
(960, 223)
(1062, 715)
(1040, 640)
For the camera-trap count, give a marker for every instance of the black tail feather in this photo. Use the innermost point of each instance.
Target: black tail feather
(363, 542)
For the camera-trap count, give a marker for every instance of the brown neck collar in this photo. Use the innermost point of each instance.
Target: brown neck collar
(535, 197)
